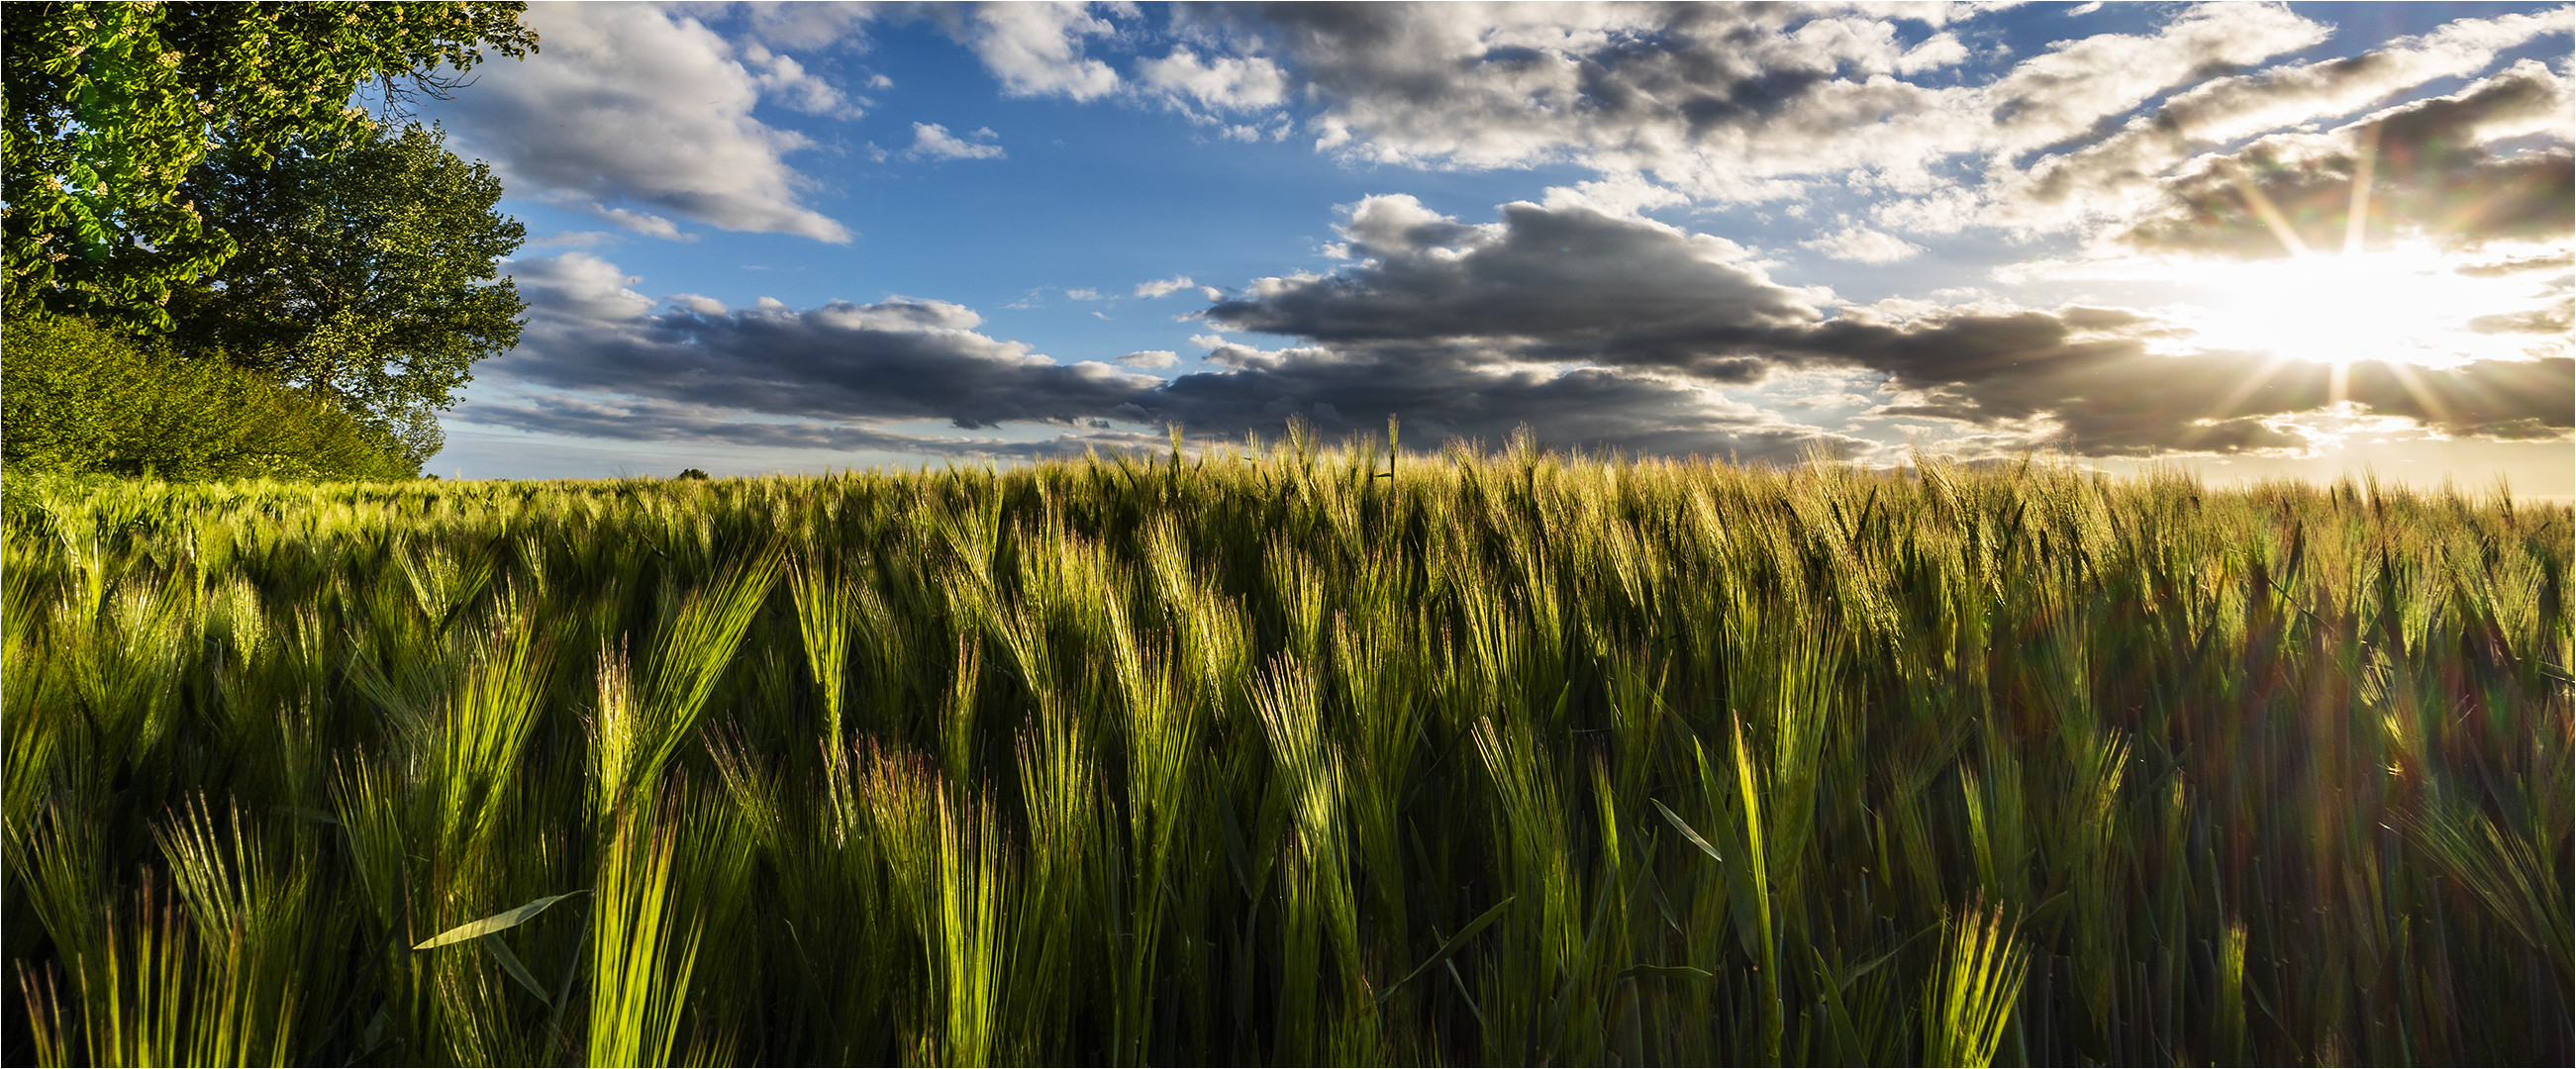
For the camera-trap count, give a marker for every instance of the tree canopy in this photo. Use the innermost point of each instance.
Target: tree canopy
(365, 274)
(111, 105)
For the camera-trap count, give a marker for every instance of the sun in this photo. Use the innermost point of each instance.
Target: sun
(2406, 303)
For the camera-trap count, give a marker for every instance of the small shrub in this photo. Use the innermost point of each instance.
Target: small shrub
(692, 473)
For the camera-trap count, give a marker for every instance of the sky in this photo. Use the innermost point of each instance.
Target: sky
(2251, 240)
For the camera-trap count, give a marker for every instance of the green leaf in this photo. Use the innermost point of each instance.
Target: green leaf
(1846, 979)
(510, 964)
(1687, 833)
(498, 922)
(1451, 945)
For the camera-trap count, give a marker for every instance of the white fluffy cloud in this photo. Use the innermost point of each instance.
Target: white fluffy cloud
(932, 141)
(1151, 359)
(798, 23)
(1175, 284)
(645, 223)
(1225, 83)
(786, 80)
(1036, 49)
(626, 105)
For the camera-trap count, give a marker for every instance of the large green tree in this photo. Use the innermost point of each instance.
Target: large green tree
(365, 274)
(111, 105)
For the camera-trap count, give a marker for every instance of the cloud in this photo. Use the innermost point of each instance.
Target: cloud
(1445, 393)
(2432, 174)
(572, 239)
(898, 358)
(645, 223)
(2555, 319)
(2515, 265)
(1151, 359)
(1036, 49)
(782, 77)
(628, 105)
(1461, 391)
(1225, 83)
(580, 289)
(1861, 244)
(2110, 400)
(1729, 103)
(2075, 84)
(1175, 284)
(932, 141)
(1937, 51)
(2108, 176)
(1546, 283)
(798, 24)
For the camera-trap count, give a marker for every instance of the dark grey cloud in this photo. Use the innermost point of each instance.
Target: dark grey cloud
(1569, 282)
(1470, 391)
(895, 359)
(2434, 170)
(598, 359)
(1562, 282)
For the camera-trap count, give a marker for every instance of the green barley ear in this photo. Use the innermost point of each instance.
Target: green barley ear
(1970, 997)
(257, 908)
(643, 726)
(643, 947)
(2230, 1040)
(2504, 871)
(44, 998)
(823, 597)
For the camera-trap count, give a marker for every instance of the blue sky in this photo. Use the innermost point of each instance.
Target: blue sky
(798, 236)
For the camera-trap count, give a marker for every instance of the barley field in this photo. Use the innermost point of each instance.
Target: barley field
(1269, 755)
